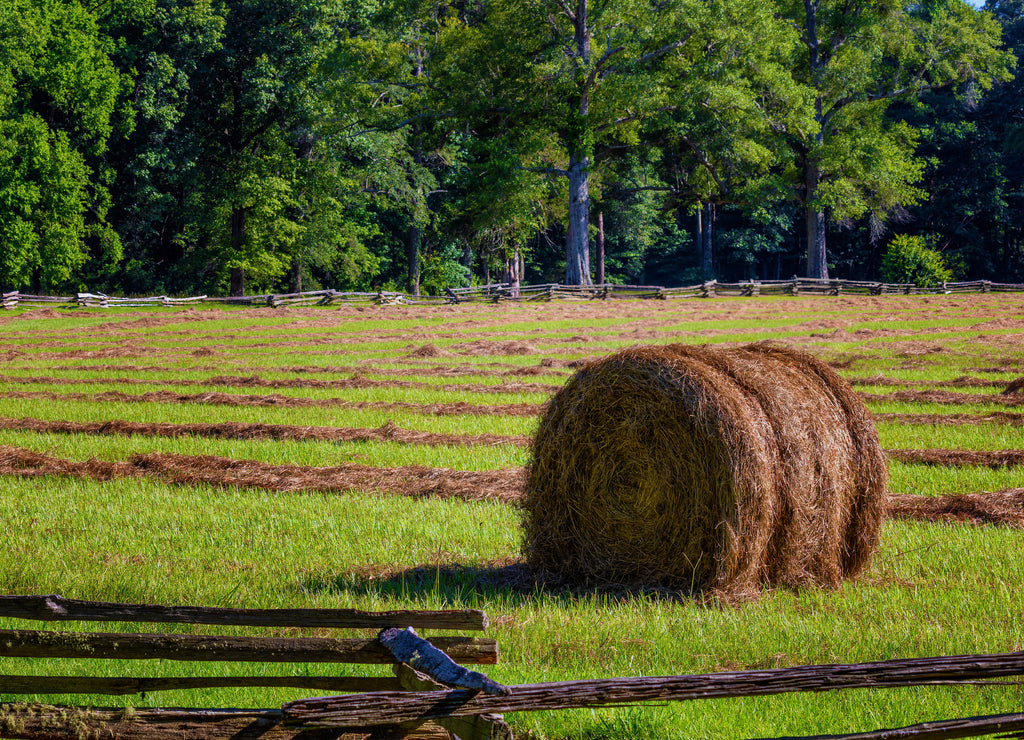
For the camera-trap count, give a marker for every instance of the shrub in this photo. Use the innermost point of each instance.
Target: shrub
(909, 259)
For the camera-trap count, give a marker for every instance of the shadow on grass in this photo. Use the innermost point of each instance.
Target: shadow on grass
(468, 585)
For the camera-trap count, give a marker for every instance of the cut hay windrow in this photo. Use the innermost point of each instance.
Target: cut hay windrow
(276, 400)
(947, 398)
(254, 381)
(960, 458)
(389, 432)
(190, 470)
(1000, 507)
(704, 467)
(961, 381)
(1004, 507)
(1006, 418)
(554, 369)
(356, 383)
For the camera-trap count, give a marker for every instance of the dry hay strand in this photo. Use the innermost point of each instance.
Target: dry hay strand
(1004, 507)
(1017, 386)
(356, 382)
(962, 381)
(948, 398)
(1007, 418)
(389, 432)
(29, 464)
(427, 350)
(456, 408)
(704, 468)
(960, 458)
(410, 480)
(189, 470)
(487, 348)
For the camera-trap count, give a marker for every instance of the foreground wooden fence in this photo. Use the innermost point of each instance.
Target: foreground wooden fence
(430, 696)
(507, 292)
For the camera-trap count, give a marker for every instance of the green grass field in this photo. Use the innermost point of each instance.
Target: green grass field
(933, 587)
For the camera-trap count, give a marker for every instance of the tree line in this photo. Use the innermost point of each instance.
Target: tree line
(182, 146)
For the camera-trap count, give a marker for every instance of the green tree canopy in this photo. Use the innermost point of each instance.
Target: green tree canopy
(59, 92)
(857, 57)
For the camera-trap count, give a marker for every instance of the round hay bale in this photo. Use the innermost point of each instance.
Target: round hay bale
(704, 468)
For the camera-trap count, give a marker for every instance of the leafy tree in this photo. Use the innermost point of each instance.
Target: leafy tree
(857, 57)
(236, 161)
(559, 86)
(58, 98)
(385, 78)
(974, 180)
(910, 260)
(163, 47)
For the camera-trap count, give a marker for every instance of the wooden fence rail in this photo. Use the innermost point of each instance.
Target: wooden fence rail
(52, 607)
(497, 292)
(416, 664)
(397, 707)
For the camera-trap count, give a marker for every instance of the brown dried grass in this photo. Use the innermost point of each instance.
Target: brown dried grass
(1004, 507)
(357, 381)
(389, 432)
(1017, 386)
(412, 480)
(960, 458)
(947, 398)
(962, 381)
(700, 467)
(1006, 418)
(274, 399)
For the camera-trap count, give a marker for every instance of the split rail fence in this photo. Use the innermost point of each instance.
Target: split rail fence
(497, 292)
(430, 696)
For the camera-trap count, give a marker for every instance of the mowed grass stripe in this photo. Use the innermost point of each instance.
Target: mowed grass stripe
(456, 408)
(390, 432)
(87, 411)
(307, 453)
(553, 369)
(255, 381)
(1005, 507)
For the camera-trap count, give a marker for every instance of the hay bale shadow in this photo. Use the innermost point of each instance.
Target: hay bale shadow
(469, 584)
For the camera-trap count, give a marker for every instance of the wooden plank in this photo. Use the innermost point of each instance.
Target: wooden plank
(409, 648)
(940, 730)
(389, 707)
(131, 646)
(44, 722)
(52, 607)
(124, 686)
(474, 727)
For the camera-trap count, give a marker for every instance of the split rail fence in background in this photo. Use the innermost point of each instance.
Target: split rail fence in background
(430, 696)
(497, 292)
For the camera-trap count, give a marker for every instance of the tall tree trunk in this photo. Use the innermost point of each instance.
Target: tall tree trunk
(467, 262)
(600, 248)
(699, 230)
(513, 275)
(237, 281)
(412, 253)
(237, 249)
(814, 216)
(295, 275)
(577, 249)
(817, 261)
(415, 240)
(707, 264)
